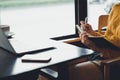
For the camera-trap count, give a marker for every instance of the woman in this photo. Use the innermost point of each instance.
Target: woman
(112, 33)
(92, 70)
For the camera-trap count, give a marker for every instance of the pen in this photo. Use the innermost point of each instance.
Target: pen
(86, 20)
(36, 61)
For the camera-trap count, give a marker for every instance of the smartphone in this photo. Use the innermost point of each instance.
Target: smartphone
(79, 28)
(37, 60)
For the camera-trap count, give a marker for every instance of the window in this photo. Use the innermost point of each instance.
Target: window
(97, 8)
(49, 17)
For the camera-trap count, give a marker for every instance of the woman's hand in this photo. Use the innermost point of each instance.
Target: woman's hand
(87, 27)
(87, 42)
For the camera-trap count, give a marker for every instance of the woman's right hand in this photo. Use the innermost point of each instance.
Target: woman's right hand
(86, 27)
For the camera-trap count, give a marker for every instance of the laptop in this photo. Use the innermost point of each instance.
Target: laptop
(18, 48)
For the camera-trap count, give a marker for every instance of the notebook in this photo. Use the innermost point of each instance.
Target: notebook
(18, 48)
(103, 43)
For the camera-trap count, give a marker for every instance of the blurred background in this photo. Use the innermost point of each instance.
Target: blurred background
(50, 17)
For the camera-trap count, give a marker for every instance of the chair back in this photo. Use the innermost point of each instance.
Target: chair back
(102, 23)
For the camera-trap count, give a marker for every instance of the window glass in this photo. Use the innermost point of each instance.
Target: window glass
(95, 9)
(43, 18)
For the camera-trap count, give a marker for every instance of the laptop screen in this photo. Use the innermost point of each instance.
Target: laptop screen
(4, 43)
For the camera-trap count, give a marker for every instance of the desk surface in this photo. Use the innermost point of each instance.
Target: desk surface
(11, 65)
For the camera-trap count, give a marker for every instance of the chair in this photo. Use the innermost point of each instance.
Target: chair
(108, 64)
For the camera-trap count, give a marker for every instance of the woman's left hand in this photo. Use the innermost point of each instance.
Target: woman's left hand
(85, 40)
(90, 44)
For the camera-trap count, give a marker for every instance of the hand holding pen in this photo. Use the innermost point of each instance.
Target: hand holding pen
(83, 26)
(87, 28)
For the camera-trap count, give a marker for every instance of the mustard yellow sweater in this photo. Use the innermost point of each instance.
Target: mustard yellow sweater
(112, 33)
